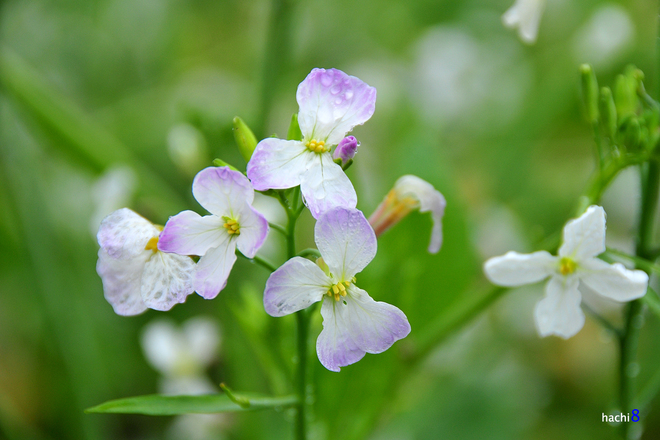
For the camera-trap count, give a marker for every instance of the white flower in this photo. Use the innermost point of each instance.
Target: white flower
(559, 312)
(525, 16)
(135, 274)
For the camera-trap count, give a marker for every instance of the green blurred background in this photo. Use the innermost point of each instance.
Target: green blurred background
(150, 87)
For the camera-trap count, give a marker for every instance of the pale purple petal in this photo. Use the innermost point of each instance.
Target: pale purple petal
(613, 281)
(188, 233)
(279, 164)
(559, 312)
(213, 269)
(513, 269)
(325, 186)
(167, 280)
(346, 149)
(355, 325)
(332, 103)
(124, 234)
(221, 190)
(584, 237)
(295, 285)
(121, 282)
(254, 229)
(346, 242)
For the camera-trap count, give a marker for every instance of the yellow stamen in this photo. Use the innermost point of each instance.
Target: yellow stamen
(338, 291)
(152, 245)
(232, 226)
(317, 146)
(566, 266)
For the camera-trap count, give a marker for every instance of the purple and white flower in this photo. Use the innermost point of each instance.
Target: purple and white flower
(409, 193)
(233, 223)
(135, 274)
(331, 104)
(559, 312)
(353, 323)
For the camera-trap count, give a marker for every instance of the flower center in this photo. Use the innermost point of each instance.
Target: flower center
(232, 226)
(566, 266)
(317, 146)
(152, 245)
(338, 290)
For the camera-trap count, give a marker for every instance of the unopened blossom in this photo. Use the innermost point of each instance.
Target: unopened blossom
(576, 265)
(182, 354)
(353, 323)
(410, 193)
(233, 223)
(525, 16)
(331, 104)
(346, 150)
(135, 274)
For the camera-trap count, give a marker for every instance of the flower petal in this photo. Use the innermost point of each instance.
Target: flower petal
(167, 280)
(613, 281)
(356, 325)
(221, 190)
(254, 229)
(325, 186)
(278, 164)
(121, 282)
(514, 269)
(559, 312)
(346, 242)
(203, 339)
(332, 103)
(526, 16)
(163, 346)
(213, 269)
(188, 233)
(584, 237)
(124, 234)
(296, 285)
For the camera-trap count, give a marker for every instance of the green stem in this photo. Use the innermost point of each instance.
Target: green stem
(278, 228)
(604, 322)
(628, 343)
(310, 252)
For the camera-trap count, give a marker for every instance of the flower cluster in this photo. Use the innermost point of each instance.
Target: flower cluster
(143, 267)
(575, 267)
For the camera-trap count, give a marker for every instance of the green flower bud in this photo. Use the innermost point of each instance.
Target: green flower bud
(625, 92)
(294, 133)
(589, 92)
(245, 139)
(632, 133)
(222, 163)
(608, 112)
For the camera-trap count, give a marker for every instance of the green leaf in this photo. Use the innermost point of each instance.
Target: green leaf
(159, 405)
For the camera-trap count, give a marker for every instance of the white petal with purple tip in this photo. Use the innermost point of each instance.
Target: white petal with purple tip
(124, 234)
(220, 190)
(346, 241)
(332, 103)
(188, 233)
(213, 269)
(325, 186)
(279, 164)
(254, 229)
(297, 284)
(121, 282)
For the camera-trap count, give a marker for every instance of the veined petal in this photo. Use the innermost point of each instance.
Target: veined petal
(163, 346)
(584, 237)
(559, 312)
(325, 186)
(296, 285)
(254, 229)
(188, 233)
(513, 269)
(221, 190)
(613, 281)
(124, 234)
(279, 164)
(332, 103)
(167, 280)
(346, 241)
(121, 282)
(356, 325)
(213, 269)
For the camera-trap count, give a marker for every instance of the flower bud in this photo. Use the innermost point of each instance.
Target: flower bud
(245, 139)
(346, 150)
(608, 111)
(589, 92)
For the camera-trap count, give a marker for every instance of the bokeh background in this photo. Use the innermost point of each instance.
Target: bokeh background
(111, 103)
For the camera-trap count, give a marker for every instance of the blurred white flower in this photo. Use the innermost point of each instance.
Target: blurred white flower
(605, 37)
(187, 147)
(525, 16)
(113, 190)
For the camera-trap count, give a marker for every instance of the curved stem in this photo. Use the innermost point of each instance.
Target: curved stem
(278, 228)
(310, 252)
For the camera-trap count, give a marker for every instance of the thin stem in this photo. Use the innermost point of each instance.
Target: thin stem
(310, 252)
(604, 322)
(278, 228)
(301, 375)
(265, 263)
